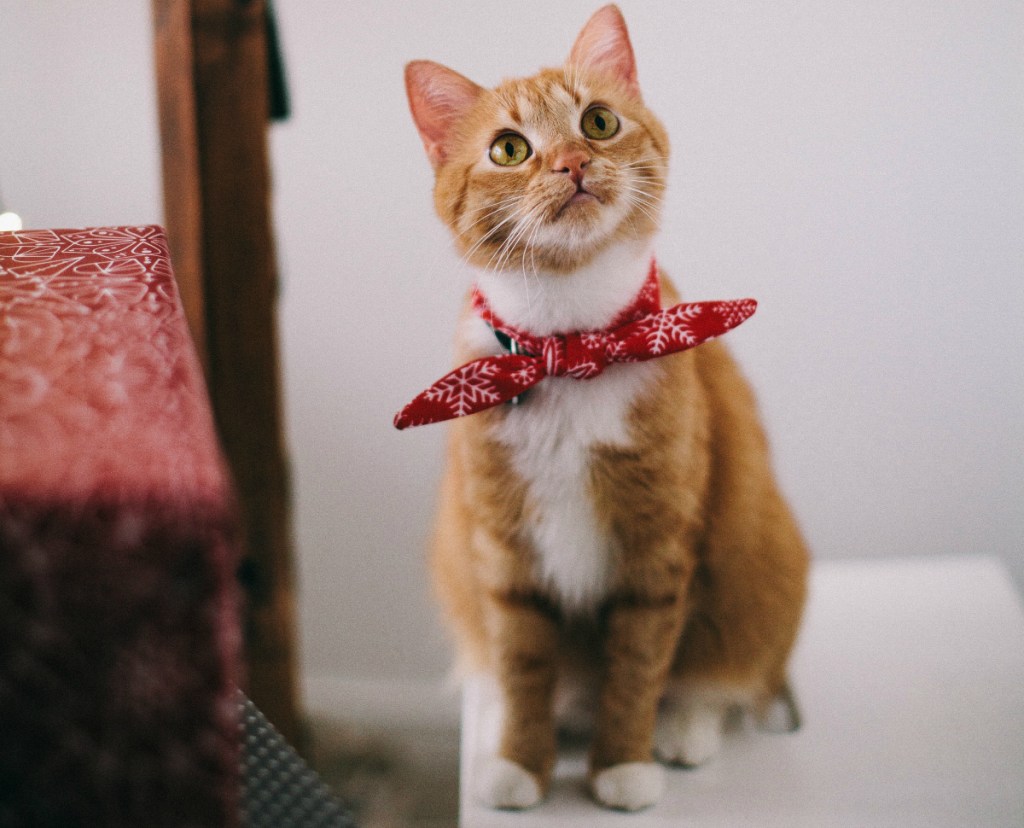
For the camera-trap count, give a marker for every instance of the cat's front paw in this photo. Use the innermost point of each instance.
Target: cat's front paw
(501, 783)
(630, 786)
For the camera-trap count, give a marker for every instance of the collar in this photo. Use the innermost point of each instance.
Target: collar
(646, 301)
(640, 332)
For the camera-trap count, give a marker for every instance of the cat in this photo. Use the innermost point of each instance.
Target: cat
(623, 534)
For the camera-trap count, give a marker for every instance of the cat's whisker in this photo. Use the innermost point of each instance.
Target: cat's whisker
(499, 259)
(486, 237)
(479, 243)
(647, 175)
(492, 211)
(529, 224)
(493, 206)
(522, 265)
(505, 243)
(636, 187)
(642, 199)
(649, 159)
(633, 227)
(496, 254)
(531, 248)
(639, 192)
(513, 241)
(533, 254)
(652, 211)
(647, 207)
(647, 171)
(510, 217)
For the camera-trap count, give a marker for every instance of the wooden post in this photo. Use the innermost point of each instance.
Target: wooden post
(239, 293)
(176, 102)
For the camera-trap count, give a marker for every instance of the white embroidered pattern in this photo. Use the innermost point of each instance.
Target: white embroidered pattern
(463, 390)
(664, 330)
(99, 384)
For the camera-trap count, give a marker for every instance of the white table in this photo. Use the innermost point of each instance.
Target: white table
(910, 678)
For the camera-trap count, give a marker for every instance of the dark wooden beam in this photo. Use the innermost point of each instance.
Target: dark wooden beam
(239, 290)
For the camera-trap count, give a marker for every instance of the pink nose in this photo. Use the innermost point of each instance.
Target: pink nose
(572, 162)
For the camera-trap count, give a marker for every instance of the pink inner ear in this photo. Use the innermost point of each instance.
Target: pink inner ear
(438, 99)
(604, 45)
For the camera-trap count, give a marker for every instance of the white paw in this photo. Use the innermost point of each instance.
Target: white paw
(629, 786)
(501, 783)
(689, 738)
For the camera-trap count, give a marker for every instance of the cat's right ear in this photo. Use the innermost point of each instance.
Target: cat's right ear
(439, 98)
(604, 45)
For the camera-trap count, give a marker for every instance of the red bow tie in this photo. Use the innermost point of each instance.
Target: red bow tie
(640, 332)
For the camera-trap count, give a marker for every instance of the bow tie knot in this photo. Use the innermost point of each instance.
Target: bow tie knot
(581, 356)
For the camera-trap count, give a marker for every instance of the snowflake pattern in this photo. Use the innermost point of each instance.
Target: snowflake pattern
(465, 389)
(670, 330)
(475, 386)
(737, 311)
(641, 332)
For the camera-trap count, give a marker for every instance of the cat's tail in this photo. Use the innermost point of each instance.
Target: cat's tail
(779, 712)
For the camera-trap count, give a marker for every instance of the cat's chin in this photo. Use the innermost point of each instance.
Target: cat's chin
(567, 258)
(580, 233)
(578, 247)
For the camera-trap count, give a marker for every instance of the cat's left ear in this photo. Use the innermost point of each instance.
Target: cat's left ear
(604, 45)
(438, 98)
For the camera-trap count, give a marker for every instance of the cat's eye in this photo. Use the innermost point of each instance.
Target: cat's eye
(599, 122)
(510, 149)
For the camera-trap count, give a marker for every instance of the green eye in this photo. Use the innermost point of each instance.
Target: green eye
(510, 149)
(599, 123)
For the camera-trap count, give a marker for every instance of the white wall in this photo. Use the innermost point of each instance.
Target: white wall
(79, 144)
(857, 166)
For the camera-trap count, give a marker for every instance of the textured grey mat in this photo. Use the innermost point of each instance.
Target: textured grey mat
(279, 790)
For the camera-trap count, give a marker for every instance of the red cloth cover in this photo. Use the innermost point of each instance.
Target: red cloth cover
(119, 637)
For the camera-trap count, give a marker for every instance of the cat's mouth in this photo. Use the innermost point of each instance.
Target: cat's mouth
(580, 198)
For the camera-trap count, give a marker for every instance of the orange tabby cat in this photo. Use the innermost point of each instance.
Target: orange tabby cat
(621, 534)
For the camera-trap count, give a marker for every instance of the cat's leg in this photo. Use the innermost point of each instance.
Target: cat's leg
(524, 636)
(575, 702)
(641, 632)
(720, 668)
(689, 731)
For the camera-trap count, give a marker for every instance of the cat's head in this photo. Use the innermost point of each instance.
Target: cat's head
(544, 172)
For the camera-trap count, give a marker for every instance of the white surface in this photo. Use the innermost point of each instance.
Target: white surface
(910, 678)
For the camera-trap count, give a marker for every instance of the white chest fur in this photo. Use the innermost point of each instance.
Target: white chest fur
(552, 435)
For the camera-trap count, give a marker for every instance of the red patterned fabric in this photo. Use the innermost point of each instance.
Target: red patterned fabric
(119, 638)
(639, 332)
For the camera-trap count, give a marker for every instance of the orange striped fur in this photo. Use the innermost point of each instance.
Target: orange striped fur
(622, 535)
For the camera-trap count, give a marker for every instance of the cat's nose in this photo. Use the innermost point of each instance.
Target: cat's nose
(571, 162)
